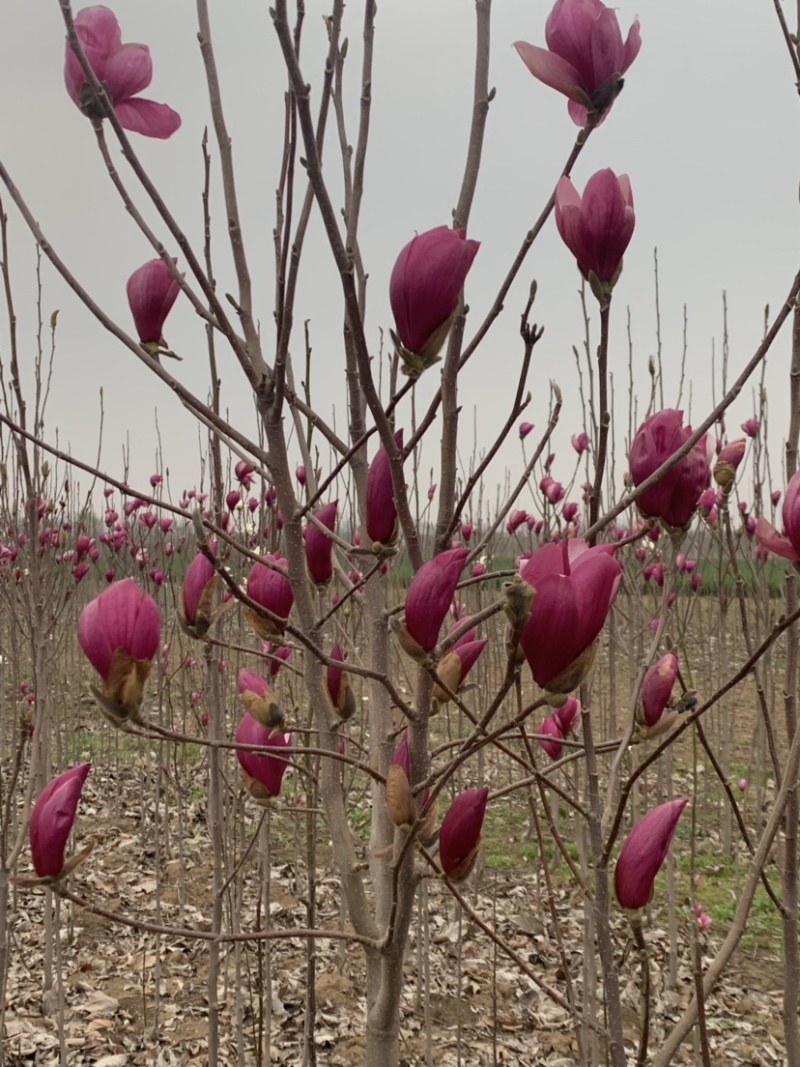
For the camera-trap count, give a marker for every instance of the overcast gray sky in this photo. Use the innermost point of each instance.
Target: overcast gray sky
(706, 128)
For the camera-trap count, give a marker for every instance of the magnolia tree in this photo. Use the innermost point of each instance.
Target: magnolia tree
(349, 586)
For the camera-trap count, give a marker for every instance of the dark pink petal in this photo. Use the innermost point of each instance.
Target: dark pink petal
(52, 820)
(633, 42)
(95, 639)
(608, 53)
(551, 727)
(430, 595)
(549, 68)
(128, 70)
(644, 851)
(567, 715)
(770, 539)
(148, 118)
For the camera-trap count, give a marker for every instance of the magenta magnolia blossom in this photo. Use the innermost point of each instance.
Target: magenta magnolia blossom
(787, 545)
(124, 70)
(461, 832)
(597, 227)
(266, 770)
(584, 52)
(381, 517)
(319, 547)
(151, 293)
(657, 688)
(52, 819)
(196, 588)
(426, 281)
(675, 495)
(575, 588)
(644, 851)
(269, 587)
(430, 595)
(122, 618)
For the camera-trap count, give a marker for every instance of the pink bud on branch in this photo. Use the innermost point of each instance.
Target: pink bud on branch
(675, 496)
(381, 512)
(52, 820)
(152, 291)
(597, 227)
(575, 586)
(319, 547)
(460, 835)
(424, 290)
(644, 851)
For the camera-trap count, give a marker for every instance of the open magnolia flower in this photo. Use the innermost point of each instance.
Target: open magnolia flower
(123, 70)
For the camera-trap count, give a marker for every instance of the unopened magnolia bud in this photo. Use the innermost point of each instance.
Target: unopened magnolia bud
(399, 801)
(519, 598)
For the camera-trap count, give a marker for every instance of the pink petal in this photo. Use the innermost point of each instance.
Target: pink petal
(549, 68)
(579, 114)
(607, 48)
(148, 118)
(770, 539)
(633, 43)
(128, 71)
(98, 28)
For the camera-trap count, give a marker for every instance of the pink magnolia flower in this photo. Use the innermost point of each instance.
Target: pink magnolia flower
(787, 545)
(657, 688)
(278, 655)
(424, 287)
(381, 513)
(515, 520)
(524, 429)
(550, 728)
(677, 493)
(244, 474)
(751, 427)
(233, 499)
(263, 772)
(597, 227)
(197, 593)
(268, 585)
(644, 851)
(580, 442)
(52, 819)
(119, 632)
(728, 460)
(460, 834)
(319, 547)
(259, 700)
(124, 70)
(575, 588)
(151, 293)
(585, 55)
(430, 595)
